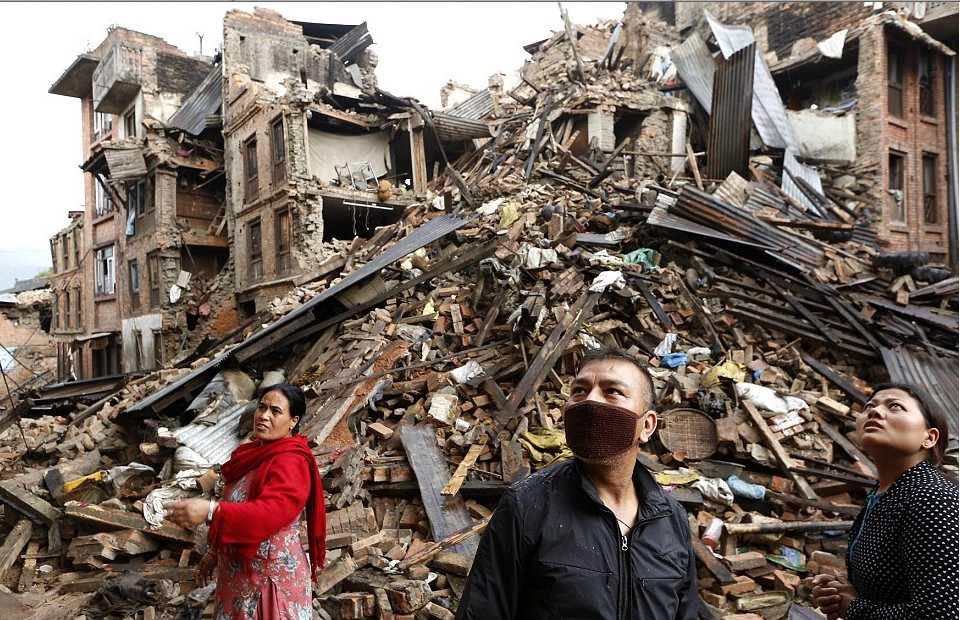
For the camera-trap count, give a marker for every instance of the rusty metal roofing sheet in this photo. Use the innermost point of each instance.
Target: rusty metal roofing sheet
(936, 373)
(215, 443)
(728, 138)
(425, 234)
(350, 45)
(661, 216)
(205, 99)
(455, 129)
(476, 106)
(696, 66)
(768, 114)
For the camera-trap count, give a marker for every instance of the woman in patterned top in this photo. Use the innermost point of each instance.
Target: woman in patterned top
(902, 558)
(254, 536)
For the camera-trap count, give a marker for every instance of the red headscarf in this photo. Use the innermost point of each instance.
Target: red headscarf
(260, 455)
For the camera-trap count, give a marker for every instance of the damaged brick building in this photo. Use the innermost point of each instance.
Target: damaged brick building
(870, 88)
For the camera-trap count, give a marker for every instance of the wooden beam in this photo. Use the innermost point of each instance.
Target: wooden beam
(861, 460)
(786, 463)
(424, 555)
(548, 355)
(720, 572)
(16, 540)
(128, 520)
(460, 476)
(27, 504)
(447, 515)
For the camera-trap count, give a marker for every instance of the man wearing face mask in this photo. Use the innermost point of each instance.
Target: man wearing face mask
(593, 537)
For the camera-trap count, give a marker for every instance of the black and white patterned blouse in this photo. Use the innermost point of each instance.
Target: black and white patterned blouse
(903, 557)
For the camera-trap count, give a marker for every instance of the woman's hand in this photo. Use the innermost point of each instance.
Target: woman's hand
(833, 595)
(208, 563)
(188, 512)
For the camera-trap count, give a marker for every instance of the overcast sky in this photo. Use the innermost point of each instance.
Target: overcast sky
(420, 45)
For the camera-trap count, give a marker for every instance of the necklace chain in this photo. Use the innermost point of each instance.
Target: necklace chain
(623, 522)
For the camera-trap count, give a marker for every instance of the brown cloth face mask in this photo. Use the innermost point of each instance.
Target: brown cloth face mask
(598, 430)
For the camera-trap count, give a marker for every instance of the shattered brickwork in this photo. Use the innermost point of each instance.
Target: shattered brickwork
(24, 334)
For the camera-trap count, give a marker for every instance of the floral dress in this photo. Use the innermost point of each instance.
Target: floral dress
(274, 584)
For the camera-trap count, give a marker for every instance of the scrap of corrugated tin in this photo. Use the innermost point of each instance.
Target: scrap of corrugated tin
(936, 373)
(477, 106)
(125, 164)
(349, 46)
(768, 114)
(457, 129)
(696, 66)
(217, 442)
(807, 173)
(205, 99)
(661, 216)
(728, 137)
(425, 234)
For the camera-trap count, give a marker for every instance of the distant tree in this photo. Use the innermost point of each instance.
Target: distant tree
(44, 273)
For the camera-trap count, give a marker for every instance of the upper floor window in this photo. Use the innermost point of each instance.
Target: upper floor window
(105, 275)
(153, 268)
(55, 310)
(931, 209)
(65, 248)
(926, 77)
(134, 271)
(76, 247)
(130, 124)
(255, 241)
(278, 151)
(78, 316)
(54, 254)
(283, 235)
(897, 191)
(67, 315)
(895, 80)
(251, 173)
(137, 198)
(104, 204)
(102, 124)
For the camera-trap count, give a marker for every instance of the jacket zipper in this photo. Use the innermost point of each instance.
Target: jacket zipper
(623, 603)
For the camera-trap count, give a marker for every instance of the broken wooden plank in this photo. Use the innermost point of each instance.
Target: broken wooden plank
(548, 355)
(16, 540)
(27, 504)
(861, 460)
(720, 572)
(848, 388)
(459, 476)
(447, 515)
(449, 542)
(61, 608)
(128, 520)
(29, 569)
(786, 463)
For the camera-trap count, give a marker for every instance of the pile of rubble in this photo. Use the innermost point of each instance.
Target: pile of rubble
(436, 357)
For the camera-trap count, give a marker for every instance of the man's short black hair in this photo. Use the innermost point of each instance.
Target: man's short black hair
(608, 352)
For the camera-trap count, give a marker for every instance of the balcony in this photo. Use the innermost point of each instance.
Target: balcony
(116, 81)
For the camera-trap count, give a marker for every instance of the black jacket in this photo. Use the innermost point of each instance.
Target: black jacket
(553, 550)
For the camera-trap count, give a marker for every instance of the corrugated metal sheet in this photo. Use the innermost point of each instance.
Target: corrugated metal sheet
(661, 216)
(206, 99)
(935, 373)
(350, 45)
(696, 66)
(214, 443)
(728, 138)
(802, 171)
(427, 233)
(768, 114)
(457, 129)
(477, 106)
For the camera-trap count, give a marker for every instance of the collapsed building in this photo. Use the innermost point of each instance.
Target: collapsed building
(436, 350)
(28, 352)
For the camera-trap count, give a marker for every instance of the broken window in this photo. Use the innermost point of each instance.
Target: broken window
(103, 204)
(55, 310)
(283, 234)
(66, 252)
(102, 124)
(157, 349)
(105, 277)
(130, 124)
(256, 250)
(926, 74)
(278, 152)
(134, 271)
(895, 80)
(78, 315)
(251, 173)
(153, 268)
(149, 195)
(898, 213)
(931, 212)
(137, 199)
(66, 309)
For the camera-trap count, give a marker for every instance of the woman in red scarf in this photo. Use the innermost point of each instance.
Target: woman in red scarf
(254, 535)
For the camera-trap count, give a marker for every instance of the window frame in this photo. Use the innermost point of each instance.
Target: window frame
(105, 276)
(251, 170)
(78, 318)
(926, 82)
(133, 279)
(153, 276)
(931, 207)
(283, 239)
(278, 151)
(102, 125)
(897, 182)
(255, 247)
(103, 202)
(895, 105)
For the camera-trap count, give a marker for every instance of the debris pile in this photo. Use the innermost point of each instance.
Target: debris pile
(436, 357)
